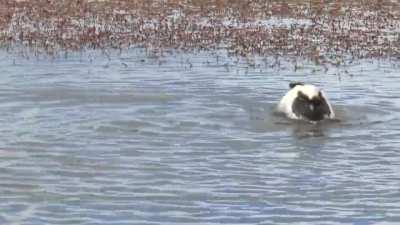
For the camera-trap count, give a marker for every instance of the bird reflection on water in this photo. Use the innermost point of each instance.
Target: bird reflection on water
(267, 119)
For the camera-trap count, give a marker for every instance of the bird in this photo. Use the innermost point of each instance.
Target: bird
(305, 102)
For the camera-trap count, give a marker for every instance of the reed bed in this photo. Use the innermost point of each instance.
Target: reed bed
(326, 32)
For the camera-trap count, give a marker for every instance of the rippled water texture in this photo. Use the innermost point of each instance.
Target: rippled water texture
(193, 139)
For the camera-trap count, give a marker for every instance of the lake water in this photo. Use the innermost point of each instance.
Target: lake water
(193, 139)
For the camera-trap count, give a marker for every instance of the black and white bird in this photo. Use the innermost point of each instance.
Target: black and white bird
(306, 102)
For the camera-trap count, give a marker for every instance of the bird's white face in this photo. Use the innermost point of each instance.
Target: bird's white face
(308, 90)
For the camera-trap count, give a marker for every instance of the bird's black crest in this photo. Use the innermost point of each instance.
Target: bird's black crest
(294, 84)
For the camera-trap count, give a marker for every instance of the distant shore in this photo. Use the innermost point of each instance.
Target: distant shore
(326, 32)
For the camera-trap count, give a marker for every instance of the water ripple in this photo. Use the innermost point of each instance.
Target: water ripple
(84, 143)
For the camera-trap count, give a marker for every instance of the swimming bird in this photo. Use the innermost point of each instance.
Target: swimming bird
(306, 102)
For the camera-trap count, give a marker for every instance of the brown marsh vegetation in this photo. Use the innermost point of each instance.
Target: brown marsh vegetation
(325, 31)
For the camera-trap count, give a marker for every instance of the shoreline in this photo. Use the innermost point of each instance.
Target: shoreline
(332, 33)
